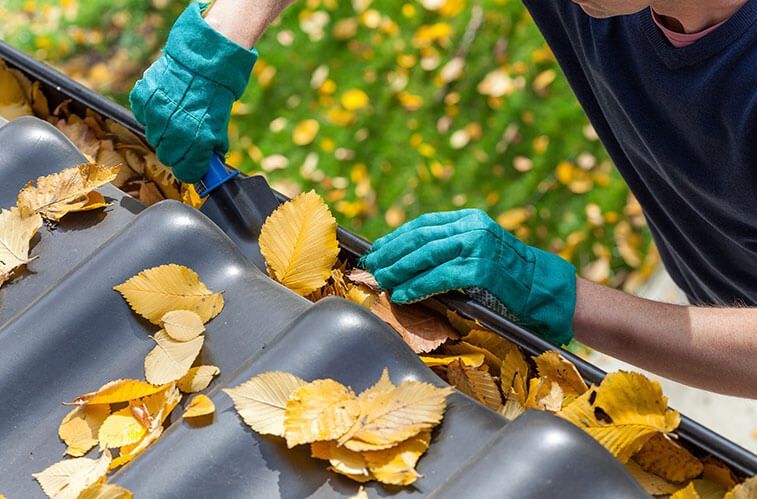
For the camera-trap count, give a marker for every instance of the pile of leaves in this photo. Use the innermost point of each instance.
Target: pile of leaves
(104, 141)
(128, 415)
(50, 199)
(377, 435)
(626, 413)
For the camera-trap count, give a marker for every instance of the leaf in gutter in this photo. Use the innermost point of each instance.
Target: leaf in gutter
(475, 383)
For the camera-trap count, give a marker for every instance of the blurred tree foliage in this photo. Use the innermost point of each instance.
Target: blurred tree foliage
(390, 109)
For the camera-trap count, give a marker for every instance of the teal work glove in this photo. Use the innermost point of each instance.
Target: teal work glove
(467, 250)
(184, 99)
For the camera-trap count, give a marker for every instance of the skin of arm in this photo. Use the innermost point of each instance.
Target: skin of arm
(707, 347)
(244, 21)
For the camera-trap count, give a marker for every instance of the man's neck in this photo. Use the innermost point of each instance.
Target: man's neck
(691, 16)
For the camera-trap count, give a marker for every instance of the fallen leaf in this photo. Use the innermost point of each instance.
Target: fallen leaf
(197, 378)
(120, 390)
(665, 458)
(156, 291)
(492, 342)
(182, 325)
(120, 428)
(396, 415)
(105, 491)
(514, 364)
(469, 359)
(515, 398)
(554, 366)
(544, 394)
(744, 490)
(190, 197)
(170, 359)
(261, 400)
(80, 427)
(299, 243)
(396, 465)
(320, 410)
(68, 478)
(16, 232)
(383, 385)
(623, 413)
(700, 489)
(422, 329)
(493, 362)
(716, 471)
(127, 453)
(13, 103)
(342, 460)
(200, 405)
(60, 193)
(653, 484)
(475, 383)
(360, 276)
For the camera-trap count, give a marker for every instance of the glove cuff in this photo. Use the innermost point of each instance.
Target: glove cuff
(207, 53)
(552, 300)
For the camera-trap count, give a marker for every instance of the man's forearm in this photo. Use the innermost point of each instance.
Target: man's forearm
(244, 21)
(711, 348)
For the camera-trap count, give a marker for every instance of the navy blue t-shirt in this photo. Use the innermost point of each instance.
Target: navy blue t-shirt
(681, 126)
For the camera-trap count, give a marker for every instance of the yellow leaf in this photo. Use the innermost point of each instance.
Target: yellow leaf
(200, 405)
(544, 394)
(197, 379)
(653, 484)
(158, 290)
(80, 427)
(396, 465)
(491, 342)
(515, 398)
(623, 413)
(151, 411)
(745, 490)
(383, 385)
(120, 390)
(493, 362)
(355, 99)
(16, 232)
(305, 132)
(396, 415)
(94, 201)
(120, 428)
(128, 452)
(13, 103)
(162, 176)
(182, 325)
(665, 458)
(59, 193)
(299, 243)
(554, 366)
(68, 478)
(170, 359)
(361, 295)
(190, 197)
(514, 364)
(321, 410)
(469, 359)
(105, 491)
(716, 471)
(261, 400)
(475, 383)
(700, 489)
(342, 460)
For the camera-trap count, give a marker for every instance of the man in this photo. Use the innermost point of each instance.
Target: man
(671, 88)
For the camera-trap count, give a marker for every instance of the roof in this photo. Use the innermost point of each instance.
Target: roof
(65, 331)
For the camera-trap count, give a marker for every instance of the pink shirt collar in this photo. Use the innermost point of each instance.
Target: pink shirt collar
(679, 40)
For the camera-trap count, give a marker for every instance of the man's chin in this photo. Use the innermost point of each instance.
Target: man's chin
(596, 13)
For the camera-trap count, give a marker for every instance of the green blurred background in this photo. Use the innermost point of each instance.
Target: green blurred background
(389, 109)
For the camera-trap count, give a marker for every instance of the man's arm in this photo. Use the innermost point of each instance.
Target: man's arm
(711, 348)
(244, 21)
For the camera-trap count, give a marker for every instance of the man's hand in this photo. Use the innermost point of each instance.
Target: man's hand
(184, 99)
(438, 252)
